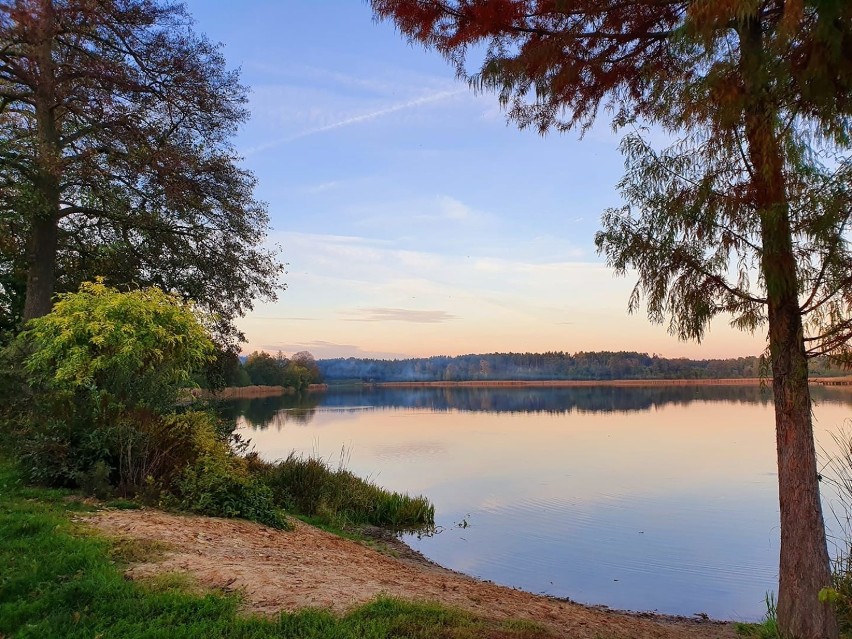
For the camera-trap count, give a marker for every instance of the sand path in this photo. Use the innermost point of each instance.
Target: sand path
(308, 567)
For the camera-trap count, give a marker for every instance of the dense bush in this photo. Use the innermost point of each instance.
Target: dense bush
(221, 487)
(103, 372)
(132, 349)
(58, 439)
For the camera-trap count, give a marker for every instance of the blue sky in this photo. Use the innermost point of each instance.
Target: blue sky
(414, 219)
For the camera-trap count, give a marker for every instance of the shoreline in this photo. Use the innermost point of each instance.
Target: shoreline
(241, 392)
(402, 552)
(568, 383)
(257, 392)
(307, 567)
(559, 383)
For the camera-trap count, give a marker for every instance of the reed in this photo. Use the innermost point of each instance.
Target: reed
(312, 486)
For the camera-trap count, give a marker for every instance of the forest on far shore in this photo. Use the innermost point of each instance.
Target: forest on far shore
(603, 365)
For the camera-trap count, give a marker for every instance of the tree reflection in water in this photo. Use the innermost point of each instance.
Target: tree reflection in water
(276, 412)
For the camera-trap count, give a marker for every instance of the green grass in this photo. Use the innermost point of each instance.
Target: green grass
(126, 550)
(123, 504)
(841, 588)
(59, 582)
(338, 498)
(347, 532)
(766, 629)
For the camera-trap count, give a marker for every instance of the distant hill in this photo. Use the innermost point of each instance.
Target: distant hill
(603, 365)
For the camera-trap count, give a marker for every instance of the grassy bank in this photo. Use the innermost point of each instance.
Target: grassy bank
(61, 581)
(336, 497)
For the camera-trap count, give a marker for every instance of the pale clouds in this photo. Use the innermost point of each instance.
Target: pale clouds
(331, 275)
(321, 349)
(386, 269)
(404, 192)
(312, 75)
(322, 187)
(425, 217)
(453, 209)
(397, 315)
(377, 298)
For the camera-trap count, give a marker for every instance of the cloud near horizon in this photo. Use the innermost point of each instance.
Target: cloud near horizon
(325, 350)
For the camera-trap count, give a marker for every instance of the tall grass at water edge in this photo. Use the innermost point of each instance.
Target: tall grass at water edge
(192, 461)
(766, 629)
(837, 473)
(309, 485)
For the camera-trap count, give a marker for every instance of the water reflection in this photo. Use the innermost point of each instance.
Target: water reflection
(638, 498)
(276, 412)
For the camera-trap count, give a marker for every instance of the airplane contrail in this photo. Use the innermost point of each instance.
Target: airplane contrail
(355, 120)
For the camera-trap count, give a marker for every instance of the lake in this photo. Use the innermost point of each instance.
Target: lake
(637, 498)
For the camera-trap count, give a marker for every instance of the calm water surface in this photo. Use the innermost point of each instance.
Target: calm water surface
(638, 498)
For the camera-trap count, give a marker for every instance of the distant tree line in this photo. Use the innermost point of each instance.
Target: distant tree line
(603, 365)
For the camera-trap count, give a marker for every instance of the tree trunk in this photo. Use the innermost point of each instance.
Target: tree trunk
(41, 261)
(41, 249)
(804, 567)
(804, 564)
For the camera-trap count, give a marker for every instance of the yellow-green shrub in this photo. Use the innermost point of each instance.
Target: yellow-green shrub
(104, 370)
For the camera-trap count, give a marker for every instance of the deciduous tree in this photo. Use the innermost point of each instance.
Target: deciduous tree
(306, 360)
(746, 213)
(115, 158)
(265, 370)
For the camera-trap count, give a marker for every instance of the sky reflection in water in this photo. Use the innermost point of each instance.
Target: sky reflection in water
(637, 498)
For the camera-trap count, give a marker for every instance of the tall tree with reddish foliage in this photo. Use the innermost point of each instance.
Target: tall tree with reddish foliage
(115, 159)
(746, 213)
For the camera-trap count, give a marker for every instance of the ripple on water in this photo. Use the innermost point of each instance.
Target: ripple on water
(679, 559)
